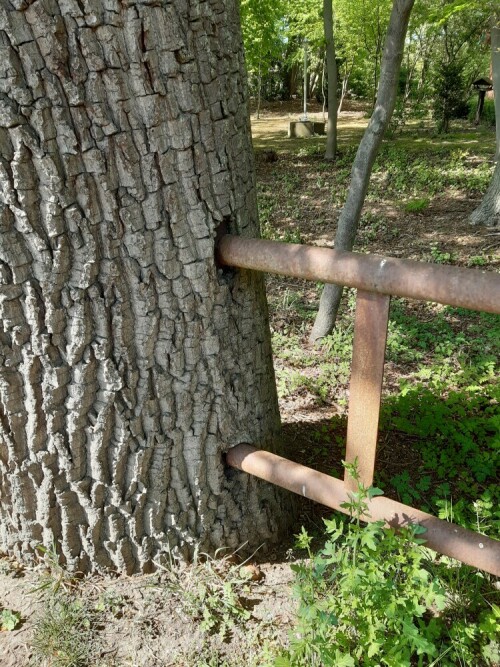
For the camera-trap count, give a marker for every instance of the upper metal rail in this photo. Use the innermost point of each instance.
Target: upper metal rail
(465, 288)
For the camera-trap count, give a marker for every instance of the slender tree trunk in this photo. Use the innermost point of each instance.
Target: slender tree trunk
(331, 65)
(128, 363)
(345, 85)
(259, 88)
(365, 157)
(488, 211)
(495, 65)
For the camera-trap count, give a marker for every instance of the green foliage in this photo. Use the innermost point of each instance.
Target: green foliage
(54, 577)
(398, 173)
(210, 591)
(9, 619)
(450, 94)
(477, 260)
(262, 27)
(457, 440)
(417, 205)
(488, 114)
(63, 636)
(439, 256)
(364, 597)
(373, 597)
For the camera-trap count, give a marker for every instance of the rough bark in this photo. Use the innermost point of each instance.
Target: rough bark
(365, 157)
(488, 211)
(128, 362)
(331, 68)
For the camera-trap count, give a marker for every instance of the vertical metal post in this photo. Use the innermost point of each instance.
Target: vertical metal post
(367, 372)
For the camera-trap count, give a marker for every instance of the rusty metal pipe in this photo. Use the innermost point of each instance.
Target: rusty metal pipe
(441, 536)
(466, 288)
(365, 388)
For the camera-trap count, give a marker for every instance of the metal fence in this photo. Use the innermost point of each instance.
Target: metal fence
(376, 279)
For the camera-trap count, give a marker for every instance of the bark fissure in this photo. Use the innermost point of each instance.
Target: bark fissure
(128, 364)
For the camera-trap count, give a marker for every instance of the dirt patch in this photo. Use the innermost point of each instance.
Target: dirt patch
(142, 624)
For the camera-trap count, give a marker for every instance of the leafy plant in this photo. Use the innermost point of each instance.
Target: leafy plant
(54, 576)
(9, 619)
(477, 260)
(440, 256)
(450, 94)
(364, 597)
(374, 597)
(210, 591)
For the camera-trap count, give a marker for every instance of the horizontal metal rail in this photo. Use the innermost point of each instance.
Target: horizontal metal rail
(466, 288)
(376, 278)
(442, 536)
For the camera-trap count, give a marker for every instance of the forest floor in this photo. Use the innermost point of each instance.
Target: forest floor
(440, 361)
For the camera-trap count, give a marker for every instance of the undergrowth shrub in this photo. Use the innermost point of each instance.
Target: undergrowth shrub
(373, 597)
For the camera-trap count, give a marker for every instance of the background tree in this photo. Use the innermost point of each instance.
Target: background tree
(365, 157)
(459, 57)
(262, 26)
(304, 21)
(488, 212)
(331, 130)
(450, 93)
(129, 364)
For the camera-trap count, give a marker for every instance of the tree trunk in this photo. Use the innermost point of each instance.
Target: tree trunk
(495, 66)
(365, 157)
(128, 362)
(488, 211)
(259, 88)
(331, 66)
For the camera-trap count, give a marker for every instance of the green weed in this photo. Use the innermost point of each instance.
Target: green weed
(63, 636)
(211, 591)
(417, 205)
(364, 597)
(374, 597)
(9, 619)
(399, 173)
(54, 576)
(439, 256)
(477, 260)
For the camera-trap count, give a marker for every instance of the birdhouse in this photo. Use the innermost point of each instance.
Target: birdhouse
(483, 84)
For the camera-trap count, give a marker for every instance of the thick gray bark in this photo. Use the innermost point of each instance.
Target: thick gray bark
(488, 211)
(331, 68)
(128, 362)
(365, 157)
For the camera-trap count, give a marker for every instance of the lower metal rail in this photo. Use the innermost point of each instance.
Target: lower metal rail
(442, 536)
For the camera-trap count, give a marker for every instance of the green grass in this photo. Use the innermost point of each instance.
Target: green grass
(64, 635)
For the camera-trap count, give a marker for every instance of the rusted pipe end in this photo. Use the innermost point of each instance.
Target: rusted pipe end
(236, 455)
